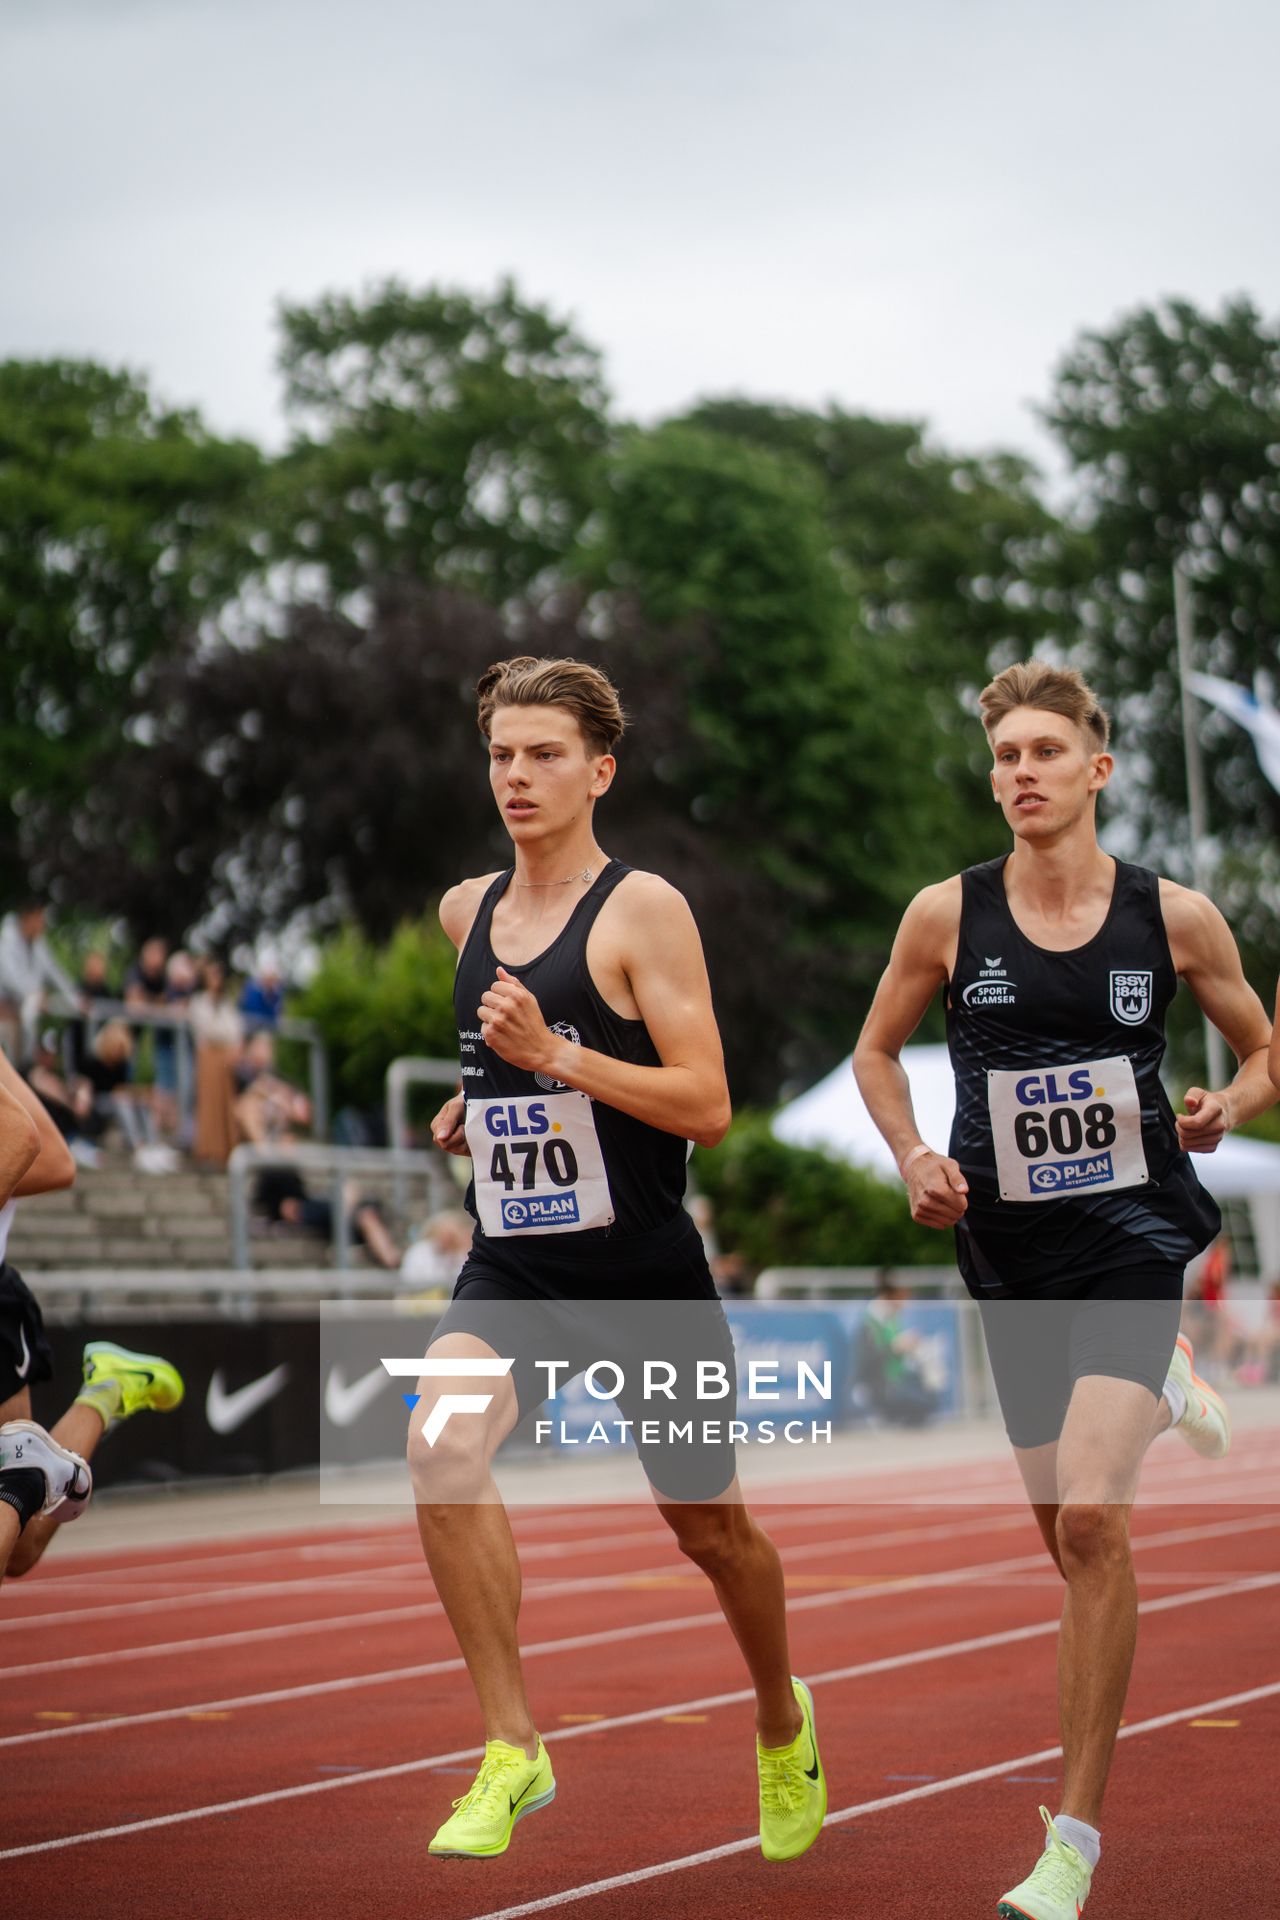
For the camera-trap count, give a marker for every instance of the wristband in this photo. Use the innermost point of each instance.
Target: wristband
(912, 1157)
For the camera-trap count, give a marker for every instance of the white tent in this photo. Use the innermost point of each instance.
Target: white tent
(831, 1116)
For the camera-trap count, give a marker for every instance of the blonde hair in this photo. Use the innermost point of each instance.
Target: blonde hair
(1033, 683)
(581, 690)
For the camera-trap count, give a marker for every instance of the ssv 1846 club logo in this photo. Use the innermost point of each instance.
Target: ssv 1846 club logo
(1131, 995)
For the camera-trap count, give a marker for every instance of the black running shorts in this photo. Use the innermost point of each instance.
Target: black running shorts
(1120, 1325)
(25, 1355)
(624, 1302)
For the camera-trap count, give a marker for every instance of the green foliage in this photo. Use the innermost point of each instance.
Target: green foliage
(779, 1205)
(117, 531)
(373, 1004)
(1172, 422)
(447, 439)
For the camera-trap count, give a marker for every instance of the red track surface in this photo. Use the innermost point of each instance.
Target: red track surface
(129, 1705)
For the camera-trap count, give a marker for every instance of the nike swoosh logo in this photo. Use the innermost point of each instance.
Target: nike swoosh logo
(811, 1773)
(344, 1404)
(23, 1370)
(227, 1411)
(519, 1797)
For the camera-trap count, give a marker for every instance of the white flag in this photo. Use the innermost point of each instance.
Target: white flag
(1256, 715)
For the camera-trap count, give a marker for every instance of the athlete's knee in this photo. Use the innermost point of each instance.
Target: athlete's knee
(716, 1539)
(1091, 1534)
(447, 1465)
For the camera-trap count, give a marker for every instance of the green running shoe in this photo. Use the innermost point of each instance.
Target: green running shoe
(1057, 1886)
(793, 1789)
(508, 1785)
(119, 1383)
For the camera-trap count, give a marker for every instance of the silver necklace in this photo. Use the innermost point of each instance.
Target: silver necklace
(584, 876)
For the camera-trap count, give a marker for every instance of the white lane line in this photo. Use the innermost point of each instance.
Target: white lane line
(404, 1767)
(619, 1582)
(351, 1577)
(576, 1643)
(533, 1590)
(926, 1792)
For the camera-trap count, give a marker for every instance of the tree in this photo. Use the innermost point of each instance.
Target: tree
(121, 523)
(443, 438)
(1172, 423)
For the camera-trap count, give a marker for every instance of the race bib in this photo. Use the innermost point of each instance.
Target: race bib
(1072, 1129)
(538, 1165)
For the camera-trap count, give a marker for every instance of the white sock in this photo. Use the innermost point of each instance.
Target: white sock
(1176, 1395)
(1087, 1841)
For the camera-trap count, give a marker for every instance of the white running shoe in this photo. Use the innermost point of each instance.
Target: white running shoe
(1206, 1424)
(68, 1482)
(1057, 1886)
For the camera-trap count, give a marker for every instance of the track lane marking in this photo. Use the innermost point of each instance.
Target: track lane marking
(928, 1791)
(738, 1696)
(975, 1572)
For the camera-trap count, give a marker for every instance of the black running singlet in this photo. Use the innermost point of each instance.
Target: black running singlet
(1062, 1127)
(547, 1159)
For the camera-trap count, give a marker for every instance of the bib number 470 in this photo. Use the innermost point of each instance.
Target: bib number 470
(1065, 1129)
(557, 1158)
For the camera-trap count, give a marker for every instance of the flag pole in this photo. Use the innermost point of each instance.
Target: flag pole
(1215, 1045)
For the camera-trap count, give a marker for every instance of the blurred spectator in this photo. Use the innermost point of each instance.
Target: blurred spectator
(217, 1030)
(70, 1102)
(887, 1362)
(435, 1258)
(267, 1108)
(280, 1193)
(262, 999)
(93, 986)
(130, 1107)
(27, 971)
(1206, 1318)
(146, 987)
(1260, 1361)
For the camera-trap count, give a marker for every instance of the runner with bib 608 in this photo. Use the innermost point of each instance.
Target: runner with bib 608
(1067, 1179)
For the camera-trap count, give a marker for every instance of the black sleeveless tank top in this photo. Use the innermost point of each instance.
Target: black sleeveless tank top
(645, 1166)
(1018, 1008)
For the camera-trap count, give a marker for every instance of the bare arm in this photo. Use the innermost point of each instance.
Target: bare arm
(50, 1166)
(922, 958)
(458, 909)
(1205, 955)
(662, 956)
(19, 1146)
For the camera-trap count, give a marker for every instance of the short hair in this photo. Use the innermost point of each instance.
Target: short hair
(581, 690)
(1033, 683)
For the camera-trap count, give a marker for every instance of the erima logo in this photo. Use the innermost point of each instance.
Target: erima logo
(448, 1403)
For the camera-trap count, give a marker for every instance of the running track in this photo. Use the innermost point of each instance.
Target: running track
(274, 1730)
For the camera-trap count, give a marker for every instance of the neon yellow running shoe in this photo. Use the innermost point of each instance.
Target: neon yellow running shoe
(508, 1785)
(1057, 1886)
(793, 1789)
(118, 1383)
(1206, 1424)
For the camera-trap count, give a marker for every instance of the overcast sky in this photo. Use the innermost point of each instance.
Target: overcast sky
(908, 207)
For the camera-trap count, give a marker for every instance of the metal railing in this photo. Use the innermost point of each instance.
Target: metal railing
(339, 1163)
(408, 1071)
(816, 1283)
(98, 1012)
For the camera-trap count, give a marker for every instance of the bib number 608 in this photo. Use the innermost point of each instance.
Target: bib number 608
(557, 1157)
(1065, 1129)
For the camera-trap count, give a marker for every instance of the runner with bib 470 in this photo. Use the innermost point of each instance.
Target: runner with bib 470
(1067, 1179)
(590, 1059)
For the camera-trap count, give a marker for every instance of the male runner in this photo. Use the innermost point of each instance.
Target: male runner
(1067, 1180)
(585, 1022)
(45, 1479)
